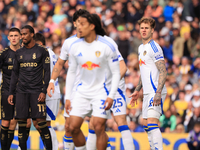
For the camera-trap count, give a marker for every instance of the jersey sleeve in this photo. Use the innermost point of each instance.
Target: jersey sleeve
(46, 67)
(71, 75)
(64, 51)
(156, 52)
(14, 76)
(113, 64)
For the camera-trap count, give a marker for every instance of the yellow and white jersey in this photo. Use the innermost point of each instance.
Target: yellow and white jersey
(93, 59)
(148, 55)
(53, 60)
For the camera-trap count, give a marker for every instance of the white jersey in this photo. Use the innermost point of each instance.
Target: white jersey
(148, 55)
(93, 59)
(53, 60)
(109, 75)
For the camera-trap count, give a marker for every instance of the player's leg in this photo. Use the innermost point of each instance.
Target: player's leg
(7, 112)
(40, 114)
(11, 131)
(119, 112)
(80, 108)
(153, 115)
(21, 114)
(144, 115)
(68, 141)
(28, 126)
(91, 140)
(125, 132)
(52, 107)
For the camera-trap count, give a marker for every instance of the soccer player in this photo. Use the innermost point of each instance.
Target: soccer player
(152, 79)
(68, 142)
(119, 104)
(52, 103)
(93, 54)
(30, 78)
(7, 57)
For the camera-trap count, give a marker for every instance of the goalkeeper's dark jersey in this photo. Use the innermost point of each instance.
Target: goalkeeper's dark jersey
(31, 70)
(7, 57)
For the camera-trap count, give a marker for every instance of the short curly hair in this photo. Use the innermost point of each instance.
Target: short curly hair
(148, 20)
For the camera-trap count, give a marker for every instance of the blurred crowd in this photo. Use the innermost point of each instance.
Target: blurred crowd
(177, 31)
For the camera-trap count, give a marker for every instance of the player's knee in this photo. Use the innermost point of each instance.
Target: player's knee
(91, 126)
(67, 128)
(99, 129)
(28, 123)
(73, 129)
(5, 123)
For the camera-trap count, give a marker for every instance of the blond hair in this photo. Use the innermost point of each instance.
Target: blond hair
(148, 20)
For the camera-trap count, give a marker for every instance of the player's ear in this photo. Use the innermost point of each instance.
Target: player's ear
(92, 26)
(74, 23)
(32, 35)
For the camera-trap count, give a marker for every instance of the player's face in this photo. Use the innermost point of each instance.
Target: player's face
(26, 36)
(146, 31)
(84, 27)
(14, 37)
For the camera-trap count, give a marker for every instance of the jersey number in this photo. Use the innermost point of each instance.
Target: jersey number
(102, 104)
(118, 101)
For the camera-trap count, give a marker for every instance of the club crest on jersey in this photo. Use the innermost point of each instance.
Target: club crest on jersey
(145, 52)
(34, 56)
(47, 60)
(141, 62)
(97, 53)
(9, 59)
(21, 57)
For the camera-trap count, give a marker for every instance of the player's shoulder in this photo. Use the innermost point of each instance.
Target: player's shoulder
(107, 41)
(5, 50)
(76, 42)
(70, 39)
(42, 47)
(154, 46)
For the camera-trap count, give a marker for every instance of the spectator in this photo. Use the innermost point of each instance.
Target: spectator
(179, 128)
(188, 92)
(193, 119)
(196, 99)
(181, 104)
(175, 94)
(193, 140)
(185, 66)
(167, 120)
(169, 10)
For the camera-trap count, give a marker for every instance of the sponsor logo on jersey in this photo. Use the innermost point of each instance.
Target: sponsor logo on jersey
(80, 54)
(90, 65)
(10, 67)
(29, 64)
(34, 55)
(9, 59)
(145, 52)
(47, 60)
(97, 53)
(141, 62)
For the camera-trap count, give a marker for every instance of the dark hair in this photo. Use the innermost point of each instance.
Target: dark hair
(39, 37)
(94, 19)
(14, 29)
(78, 13)
(149, 20)
(31, 30)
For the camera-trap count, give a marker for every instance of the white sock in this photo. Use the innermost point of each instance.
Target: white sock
(149, 138)
(91, 140)
(68, 143)
(126, 137)
(156, 136)
(81, 148)
(53, 138)
(18, 148)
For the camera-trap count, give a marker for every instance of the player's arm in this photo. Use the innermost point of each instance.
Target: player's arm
(14, 80)
(1, 59)
(161, 81)
(135, 94)
(113, 64)
(123, 68)
(71, 76)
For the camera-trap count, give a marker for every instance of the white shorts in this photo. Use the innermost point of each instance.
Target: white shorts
(148, 104)
(52, 107)
(119, 103)
(83, 107)
(72, 97)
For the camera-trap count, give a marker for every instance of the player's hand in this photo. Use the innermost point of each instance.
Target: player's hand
(195, 143)
(108, 103)
(10, 100)
(41, 97)
(157, 99)
(50, 87)
(134, 98)
(67, 106)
